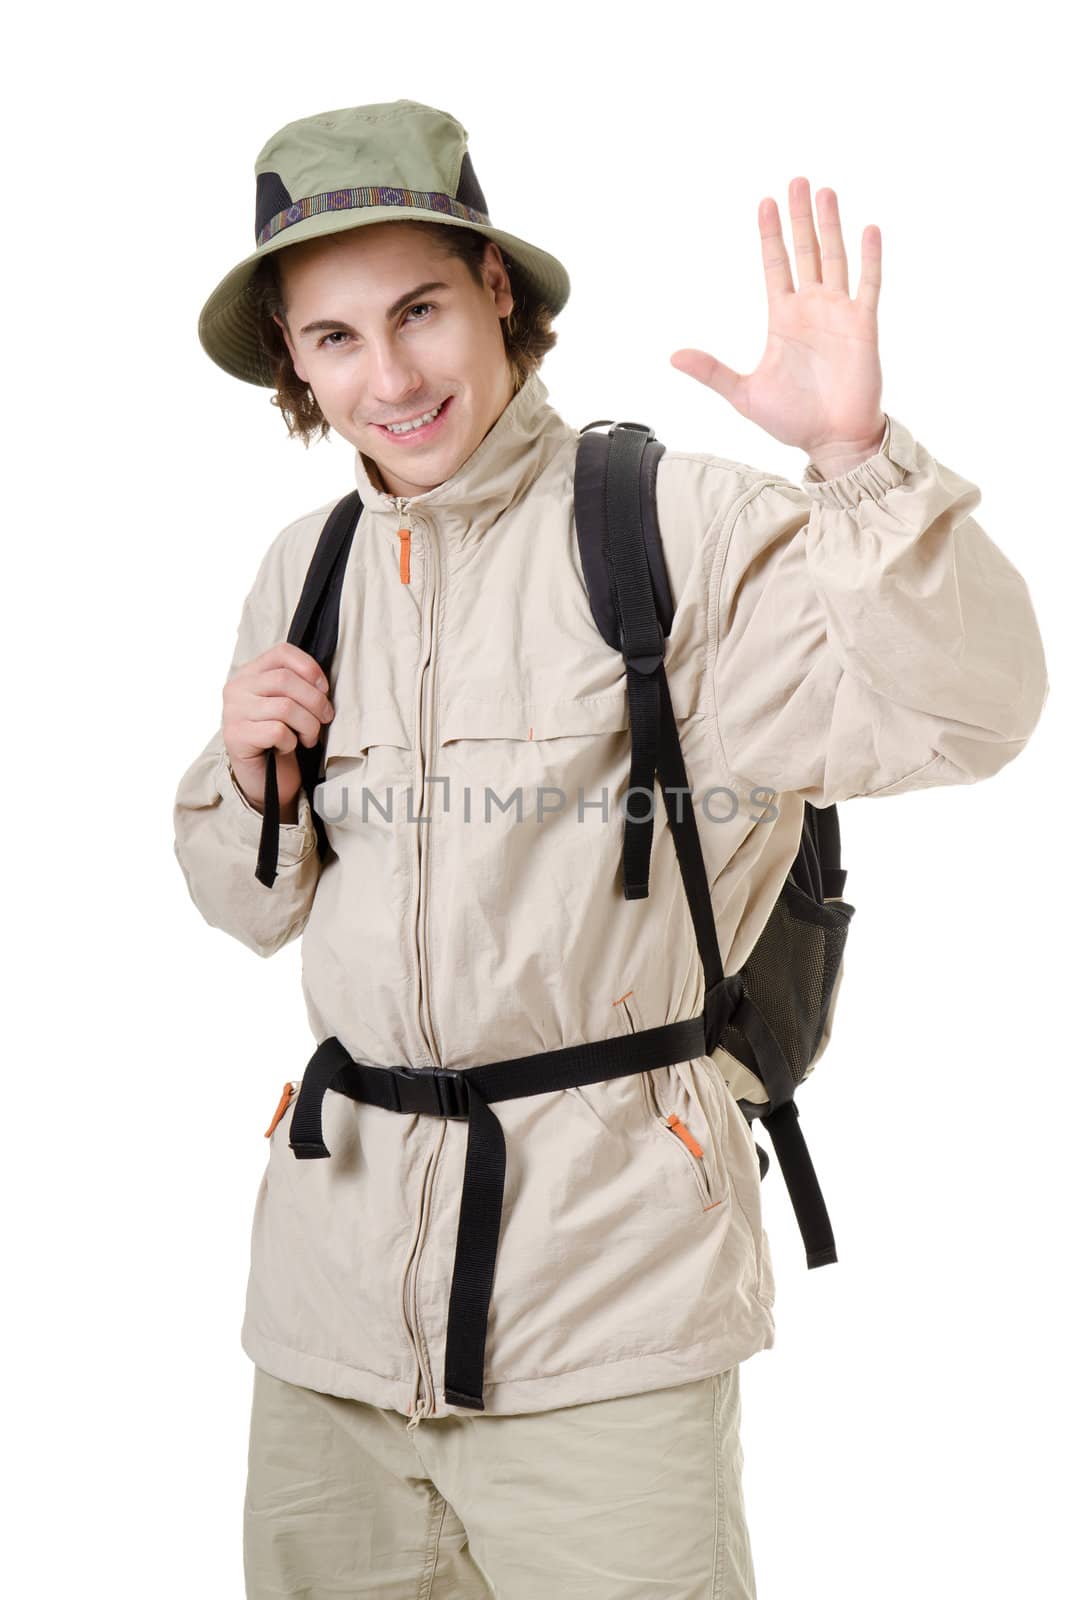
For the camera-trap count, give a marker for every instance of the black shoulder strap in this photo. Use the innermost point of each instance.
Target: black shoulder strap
(619, 542)
(613, 513)
(315, 628)
(608, 464)
(590, 511)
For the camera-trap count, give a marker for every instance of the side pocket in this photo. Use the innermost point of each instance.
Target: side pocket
(741, 1158)
(666, 1119)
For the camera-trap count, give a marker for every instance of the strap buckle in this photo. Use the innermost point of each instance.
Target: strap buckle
(607, 422)
(435, 1090)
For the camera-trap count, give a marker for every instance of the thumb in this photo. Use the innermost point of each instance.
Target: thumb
(714, 373)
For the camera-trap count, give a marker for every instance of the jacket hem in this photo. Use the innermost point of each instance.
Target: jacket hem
(658, 1369)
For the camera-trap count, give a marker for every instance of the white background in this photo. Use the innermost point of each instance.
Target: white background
(918, 1427)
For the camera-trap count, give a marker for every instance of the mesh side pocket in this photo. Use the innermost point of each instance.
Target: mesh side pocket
(790, 975)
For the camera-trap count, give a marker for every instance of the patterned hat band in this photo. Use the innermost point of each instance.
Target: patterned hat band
(276, 209)
(356, 199)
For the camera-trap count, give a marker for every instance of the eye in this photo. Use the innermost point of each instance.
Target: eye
(338, 333)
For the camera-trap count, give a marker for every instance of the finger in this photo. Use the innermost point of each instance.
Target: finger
(833, 251)
(253, 738)
(285, 681)
(869, 282)
(281, 683)
(289, 655)
(806, 246)
(276, 708)
(709, 370)
(776, 263)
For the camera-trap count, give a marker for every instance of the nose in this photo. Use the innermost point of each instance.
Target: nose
(394, 379)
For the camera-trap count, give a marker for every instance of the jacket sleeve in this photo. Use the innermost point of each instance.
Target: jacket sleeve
(866, 637)
(216, 830)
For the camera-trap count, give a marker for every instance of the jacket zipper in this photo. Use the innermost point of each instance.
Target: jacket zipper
(423, 1405)
(426, 732)
(426, 1406)
(404, 534)
(422, 800)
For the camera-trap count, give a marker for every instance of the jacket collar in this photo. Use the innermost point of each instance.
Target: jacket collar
(508, 459)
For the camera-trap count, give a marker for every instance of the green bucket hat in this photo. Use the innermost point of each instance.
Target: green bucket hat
(396, 162)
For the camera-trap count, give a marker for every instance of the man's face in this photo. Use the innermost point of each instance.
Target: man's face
(376, 365)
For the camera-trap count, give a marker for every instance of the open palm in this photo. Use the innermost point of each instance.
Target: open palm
(818, 383)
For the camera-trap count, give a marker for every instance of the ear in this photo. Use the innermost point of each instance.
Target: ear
(288, 341)
(497, 279)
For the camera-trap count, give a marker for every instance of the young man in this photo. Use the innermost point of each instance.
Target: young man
(857, 635)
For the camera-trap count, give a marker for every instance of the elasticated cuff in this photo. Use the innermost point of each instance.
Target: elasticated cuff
(885, 470)
(296, 839)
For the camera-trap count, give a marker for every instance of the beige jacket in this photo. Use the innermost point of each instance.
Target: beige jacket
(861, 636)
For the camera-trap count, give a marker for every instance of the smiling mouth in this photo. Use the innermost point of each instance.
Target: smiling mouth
(413, 432)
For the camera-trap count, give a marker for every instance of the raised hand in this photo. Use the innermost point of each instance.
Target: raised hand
(818, 383)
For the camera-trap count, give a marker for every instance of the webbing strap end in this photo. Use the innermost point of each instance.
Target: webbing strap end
(647, 664)
(453, 1398)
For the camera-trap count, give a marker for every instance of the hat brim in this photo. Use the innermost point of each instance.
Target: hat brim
(227, 326)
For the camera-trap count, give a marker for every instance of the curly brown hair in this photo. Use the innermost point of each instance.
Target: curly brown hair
(527, 332)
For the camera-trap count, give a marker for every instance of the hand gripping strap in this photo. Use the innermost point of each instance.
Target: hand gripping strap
(314, 628)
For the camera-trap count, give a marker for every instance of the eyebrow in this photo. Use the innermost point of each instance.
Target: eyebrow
(397, 306)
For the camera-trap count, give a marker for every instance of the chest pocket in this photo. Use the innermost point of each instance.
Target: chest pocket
(575, 743)
(549, 754)
(504, 718)
(368, 753)
(355, 737)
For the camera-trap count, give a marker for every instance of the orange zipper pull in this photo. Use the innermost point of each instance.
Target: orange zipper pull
(285, 1099)
(684, 1133)
(405, 555)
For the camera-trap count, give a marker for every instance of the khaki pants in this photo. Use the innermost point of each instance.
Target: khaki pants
(618, 1499)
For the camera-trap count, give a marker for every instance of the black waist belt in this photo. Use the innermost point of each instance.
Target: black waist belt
(470, 1093)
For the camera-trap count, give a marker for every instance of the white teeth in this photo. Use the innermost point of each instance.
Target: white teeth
(420, 422)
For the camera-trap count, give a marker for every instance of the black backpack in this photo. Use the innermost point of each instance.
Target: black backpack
(788, 984)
